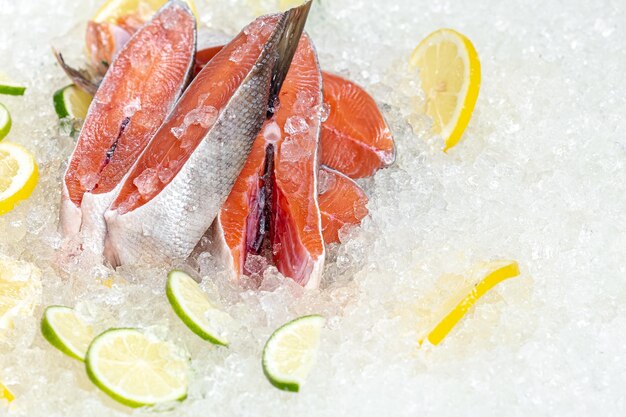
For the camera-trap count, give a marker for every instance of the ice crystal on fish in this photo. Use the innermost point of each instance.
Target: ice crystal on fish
(295, 125)
(147, 182)
(133, 107)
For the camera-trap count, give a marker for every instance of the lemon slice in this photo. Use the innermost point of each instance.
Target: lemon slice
(71, 101)
(288, 4)
(18, 175)
(5, 393)
(20, 290)
(449, 70)
(136, 369)
(482, 279)
(66, 331)
(193, 307)
(290, 352)
(5, 121)
(111, 10)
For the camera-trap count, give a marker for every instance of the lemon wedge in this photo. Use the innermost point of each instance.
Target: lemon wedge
(480, 280)
(111, 10)
(20, 290)
(5, 393)
(18, 175)
(449, 70)
(288, 4)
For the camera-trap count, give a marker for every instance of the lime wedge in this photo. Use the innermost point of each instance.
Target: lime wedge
(71, 101)
(9, 88)
(5, 121)
(66, 331)
(290, 352)
(193, 307)
(136, 369)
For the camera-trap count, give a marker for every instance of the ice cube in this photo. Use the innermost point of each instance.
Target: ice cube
(325, 181)
(295, 125)
(291, 151)
(147, 182)
(132, 107)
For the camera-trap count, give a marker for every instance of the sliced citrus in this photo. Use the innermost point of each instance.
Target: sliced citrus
(193, 307)
(66, 331)
(5, 393)
(290, 352)
(449, 70)
(5, 121)
(355, 137)
(342, 202)
(112, 10)
(136, 369)
(20, 290)
(481, 280)
(288, 4)
(8, 87)
(71, 101)
(18, 175)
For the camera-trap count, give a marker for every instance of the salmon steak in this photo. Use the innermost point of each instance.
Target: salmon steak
(137, 92)
(177, 186)
(273, 204)
(342, 203)
(355, 138)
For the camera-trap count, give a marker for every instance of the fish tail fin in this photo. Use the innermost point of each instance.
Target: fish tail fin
(292, 24)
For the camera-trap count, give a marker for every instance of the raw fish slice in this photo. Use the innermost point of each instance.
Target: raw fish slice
(342, 202)
(355, 138)
(296, 230)
(175, 190)
(104, 40)
(242, 221)
(246, 217)
(138, 91)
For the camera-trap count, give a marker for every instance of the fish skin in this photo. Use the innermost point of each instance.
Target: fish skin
(87, 220)
(170, 225)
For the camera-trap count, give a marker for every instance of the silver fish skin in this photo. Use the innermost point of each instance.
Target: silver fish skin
(86, 221)
(169, 226)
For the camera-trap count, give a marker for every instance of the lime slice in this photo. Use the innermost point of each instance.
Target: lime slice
(290, 352)
(18, 175)
(481, 279)
(66, 331)
(9, 88)
(193, 307)
(136, 369)
(71, 101)
(5, 121)
(449, 70)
